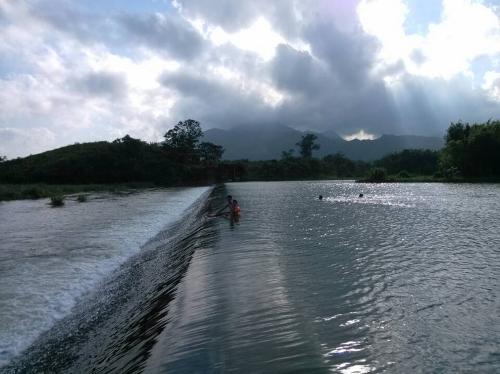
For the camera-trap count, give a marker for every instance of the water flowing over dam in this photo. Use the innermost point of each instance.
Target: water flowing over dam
(403, 279)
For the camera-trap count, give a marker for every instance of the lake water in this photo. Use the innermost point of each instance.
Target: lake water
(405, 279)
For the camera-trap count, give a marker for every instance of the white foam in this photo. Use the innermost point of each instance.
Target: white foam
(51, 257)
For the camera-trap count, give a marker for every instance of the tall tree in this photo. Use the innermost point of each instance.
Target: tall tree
(307, 145)
(181, 142)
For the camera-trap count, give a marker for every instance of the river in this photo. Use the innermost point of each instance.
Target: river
(404, 279)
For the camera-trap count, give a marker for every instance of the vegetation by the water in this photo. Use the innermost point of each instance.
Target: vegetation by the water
(81, 198)
(472, 151)
(304, 168)
(57, 201)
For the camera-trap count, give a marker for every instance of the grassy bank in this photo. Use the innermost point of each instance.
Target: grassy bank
(40, 190)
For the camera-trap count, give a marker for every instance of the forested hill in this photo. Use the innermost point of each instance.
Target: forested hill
(267, 142)
(123, 160)
(99, 162)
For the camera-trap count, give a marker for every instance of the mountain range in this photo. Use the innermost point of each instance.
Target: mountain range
(267, 143)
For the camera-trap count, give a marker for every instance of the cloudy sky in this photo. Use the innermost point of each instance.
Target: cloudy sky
(76, 71)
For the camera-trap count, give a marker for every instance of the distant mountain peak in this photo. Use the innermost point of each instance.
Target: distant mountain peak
(268, 141)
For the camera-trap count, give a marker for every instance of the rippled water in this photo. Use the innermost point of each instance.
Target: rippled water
(403, 280)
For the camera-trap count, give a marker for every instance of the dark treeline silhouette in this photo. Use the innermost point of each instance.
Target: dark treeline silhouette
(470, 152)
(178, 160)
(410, 162)
(296, 168)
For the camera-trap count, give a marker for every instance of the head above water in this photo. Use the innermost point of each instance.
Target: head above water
(320, 197)
(360, 195)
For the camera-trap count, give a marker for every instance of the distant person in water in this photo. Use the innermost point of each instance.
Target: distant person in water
(320, 197)
(235, 211)
(229, 205)
(360, 195)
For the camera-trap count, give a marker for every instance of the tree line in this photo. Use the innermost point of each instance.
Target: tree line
(470, 152)
(180, 159)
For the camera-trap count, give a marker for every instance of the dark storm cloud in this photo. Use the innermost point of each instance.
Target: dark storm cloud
(215, 103)
(349, 55)
(296, 72)
(100, 84)
(335, 88)
(167, 33)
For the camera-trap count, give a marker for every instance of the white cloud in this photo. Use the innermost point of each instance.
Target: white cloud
(259, 38)
(360, 135)
(385, 20)
(492, 84)
(467, 30)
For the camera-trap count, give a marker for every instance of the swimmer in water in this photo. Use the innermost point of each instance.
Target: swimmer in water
(235, 210)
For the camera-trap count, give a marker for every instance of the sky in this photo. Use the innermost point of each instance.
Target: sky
(78, 71)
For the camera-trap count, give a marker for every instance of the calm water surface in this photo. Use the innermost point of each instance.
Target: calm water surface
(403, 280)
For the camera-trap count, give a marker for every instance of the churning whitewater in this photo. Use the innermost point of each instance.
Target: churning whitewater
(52, 258)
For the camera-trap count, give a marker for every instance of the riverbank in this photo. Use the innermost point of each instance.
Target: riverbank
(429, 179)
(41, 190)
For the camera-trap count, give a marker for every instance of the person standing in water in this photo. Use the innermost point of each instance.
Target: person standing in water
(235, 211)
(229, 205)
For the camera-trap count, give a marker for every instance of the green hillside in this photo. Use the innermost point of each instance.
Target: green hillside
(121, 161)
